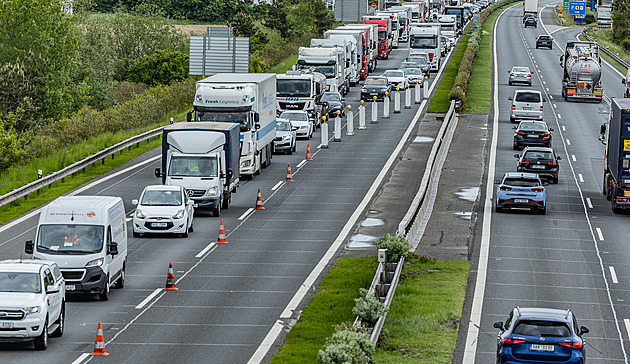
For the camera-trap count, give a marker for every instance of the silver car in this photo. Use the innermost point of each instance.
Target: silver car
(526, 104)
(301, 121)
(285, 140)
(520, 75)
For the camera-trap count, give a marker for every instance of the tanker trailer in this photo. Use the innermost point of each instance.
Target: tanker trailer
(582, 72)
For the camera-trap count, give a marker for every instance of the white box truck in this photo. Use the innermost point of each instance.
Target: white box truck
(300, 90)
(349, 47)
(371, 31)
(530, 7)
(330, 62)
(248, 99)
(87, 237)
(404, 19)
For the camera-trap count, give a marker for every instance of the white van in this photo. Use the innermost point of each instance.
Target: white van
(87, 237)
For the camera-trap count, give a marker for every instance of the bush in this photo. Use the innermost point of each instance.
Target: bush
(10, 150)
(347, 347)
(397, 246)
(160, 68)
(368, 308)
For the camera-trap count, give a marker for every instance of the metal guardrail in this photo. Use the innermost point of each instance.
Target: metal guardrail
(555, 13)
(607, 51)
(35, 186)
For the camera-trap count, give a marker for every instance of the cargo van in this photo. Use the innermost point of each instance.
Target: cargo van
(87, 237)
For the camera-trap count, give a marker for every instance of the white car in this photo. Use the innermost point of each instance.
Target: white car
(163, 210)
(32, 301)
(396, 78)
(301, 121)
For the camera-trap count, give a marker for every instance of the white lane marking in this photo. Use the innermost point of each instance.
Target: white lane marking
(547, 88)
(246, 213)
(81, 358)
(559, 116)
(205, 250)
(149, 298)
(301, 163)
(599, 234)
(563, 128)
(589, 203)
(470, 346)
(613, 274)
(627, 323)
(568, 142)
(277, 185)
(580, 177)
(544, 83)
(541, 76)
(554, 105)
(264, 347)
(319, 146)
(573, 157)
(550, 97)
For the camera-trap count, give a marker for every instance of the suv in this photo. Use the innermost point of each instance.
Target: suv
(544, 41)
(540, 335)
(32, 301)
(530, 21)
(526, 104)
(540, 160)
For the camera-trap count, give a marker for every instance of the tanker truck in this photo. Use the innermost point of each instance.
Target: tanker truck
(582, 72)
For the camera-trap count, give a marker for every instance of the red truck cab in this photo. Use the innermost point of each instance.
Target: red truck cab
(384, 34)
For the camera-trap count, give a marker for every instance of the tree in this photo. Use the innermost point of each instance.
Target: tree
(277, 18)
(160, 68)
(323, 17)
(621, 23)
(244, 26)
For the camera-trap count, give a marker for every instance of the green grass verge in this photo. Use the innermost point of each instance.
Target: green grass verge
(604, 38)
(480, 85)
(331, 305)
(567, 20)
(285, 65)
(423, 319)
(440, 100)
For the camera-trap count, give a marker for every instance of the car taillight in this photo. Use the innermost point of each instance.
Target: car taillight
(544, 135)
(624, 200)
(541, 108)
(552, 163)
(577, 345)
(508, 341)
(520, 133)
(537, 189)
(505, 188)
(525, 161)
(513, 107)
(628, 84)
(529, 75)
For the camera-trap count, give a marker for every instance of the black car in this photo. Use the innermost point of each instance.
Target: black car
(531, 21)
(335, 103)
(544, 41)
(540, 160)
(531, 133)
(375, 86)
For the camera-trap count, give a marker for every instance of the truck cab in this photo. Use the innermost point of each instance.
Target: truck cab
(300, 90)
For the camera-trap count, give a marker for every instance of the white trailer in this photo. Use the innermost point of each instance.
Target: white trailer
(371, 31)
(404, 19)
(395, 22)
(530, 7)
(362, 41)
(248, 99)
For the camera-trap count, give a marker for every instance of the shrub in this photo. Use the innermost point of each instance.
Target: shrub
(10, 150)
(368, 308)
(347, 347)
(160, 68)
(397, 246)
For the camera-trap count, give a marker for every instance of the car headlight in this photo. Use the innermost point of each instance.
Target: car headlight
(32, 309)
(140, 215)
(179, 214)
(246, 163)
(362, 90)
(286, 137)
(211, 192)
(94, 263)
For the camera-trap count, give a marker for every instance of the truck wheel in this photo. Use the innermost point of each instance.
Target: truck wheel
(61, 322)
(217, 210)
(41, 342)
(226, 203)
(104, 296)
(604, 184)
(609, 192)
(120, 282)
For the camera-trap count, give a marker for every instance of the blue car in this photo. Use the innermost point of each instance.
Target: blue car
(540, 335)
(520, 190)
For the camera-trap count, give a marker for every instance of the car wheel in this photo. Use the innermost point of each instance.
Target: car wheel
(554, 180)
(217, 211)
(41, 342)
(192, 223)
(542, 211)
(536, 46)
(61, 322)
(290, 151)
(226, 205)
(510, 83)
(512, 120)
(104, 296)
(136, 234)
(120, 282)
(498, 209)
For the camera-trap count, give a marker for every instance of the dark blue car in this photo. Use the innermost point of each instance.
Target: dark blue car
(540, 335)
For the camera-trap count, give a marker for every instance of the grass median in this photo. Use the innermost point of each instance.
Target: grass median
(440, 100)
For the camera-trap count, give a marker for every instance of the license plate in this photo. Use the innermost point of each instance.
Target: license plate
(540, 347)
(520, 200)
(527, 108)
(532, 136)
(158, 224)
(6, 325)
(70, 287)
(538, 166)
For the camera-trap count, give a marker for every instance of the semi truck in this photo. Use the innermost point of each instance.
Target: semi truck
(394, 19)
(384, 33)
(300, 90)
(427, 39)
(349, 47)
(604, 16)
(449, 26)
(203, 158)
(331, 62)
(581, 71)
(416, 12)
(530, 7)
(364, 62)
(248, 99)
(458, 11)
(371, 32)
(616, 137)
(404, 19)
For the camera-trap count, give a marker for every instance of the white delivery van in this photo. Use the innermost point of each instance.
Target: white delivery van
(87, 237)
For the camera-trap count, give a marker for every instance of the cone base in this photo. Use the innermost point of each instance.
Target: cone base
(308, 159)
(289, 180)
(259, 208)
(222, 241)
(103, 353)
(171, 288)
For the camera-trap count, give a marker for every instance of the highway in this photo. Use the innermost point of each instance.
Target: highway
(575, 257)
(233, 296)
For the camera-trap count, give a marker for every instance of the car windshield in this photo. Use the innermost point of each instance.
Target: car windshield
(521, 182)
(189, 166)
(520, 69)
(544, 37)
(331, 97)
(394, 74)
(294, 116)
(376, 81)
(412, 71)
(527, 97)
(533, 126)
(541, 328)
(161, 198)
(299, 88)
(535, 155)
(20, 282)
(282, 125)
(70, 239)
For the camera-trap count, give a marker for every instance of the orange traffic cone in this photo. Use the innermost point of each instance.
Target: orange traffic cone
(221, 234)
(170, 279)
(308, 153)
(99, 349)
(259, 204)
(289, 175)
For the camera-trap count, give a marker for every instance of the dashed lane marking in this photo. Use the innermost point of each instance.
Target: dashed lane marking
(613, 274)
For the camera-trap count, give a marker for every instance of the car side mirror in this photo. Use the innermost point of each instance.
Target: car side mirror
(29, 247)
(510, 98)
(623, 81)
(53, 288)
(497, 181)
(134, 202)
(584, 330)
(112, 248)
(515, 127)
(602, 129)
(189, 116)
(558, 158)
(498, 325)
(517, 156)
(550, 129)
(157, 173)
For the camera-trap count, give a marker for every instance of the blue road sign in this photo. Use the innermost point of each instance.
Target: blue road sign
(577, 7)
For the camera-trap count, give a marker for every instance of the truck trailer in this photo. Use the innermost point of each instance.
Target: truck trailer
(530, 7)
(363, 51)
(371, 33)
(581, 72)
(384, 33)
(349, 47)
(616, 136)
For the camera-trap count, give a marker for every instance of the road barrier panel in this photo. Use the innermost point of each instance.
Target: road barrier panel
(337, 128)
(361, 116)
(386, 105)
(408, 98)
(417, 93)
(324, 129)
(397, 101)
(374, 112)
(350, 121)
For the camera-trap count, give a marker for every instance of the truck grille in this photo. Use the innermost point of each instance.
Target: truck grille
(195, 193)
(11, 315)
(291, 105)
(74, 275)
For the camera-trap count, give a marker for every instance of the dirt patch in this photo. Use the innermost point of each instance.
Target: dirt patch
(195, 29)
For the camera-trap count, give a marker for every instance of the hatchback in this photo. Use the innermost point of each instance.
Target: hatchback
(526, 104)
(531, 21)
(540, 335)
(165, 210)
(300, 120)
(531, 133)
(286, 136)
(521, 191)
(520, 74)
(540, 160)
(544, 41)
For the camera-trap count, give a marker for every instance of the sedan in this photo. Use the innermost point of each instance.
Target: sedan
(375, 86)
(520, 75)
(300, 120)
(544, 41)
(335, 103)
(414, 75)
(396, 78)
(540, 160)
(531, 133)
(422, 59)
(286, 136)
(521, 191)
(163, 210)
